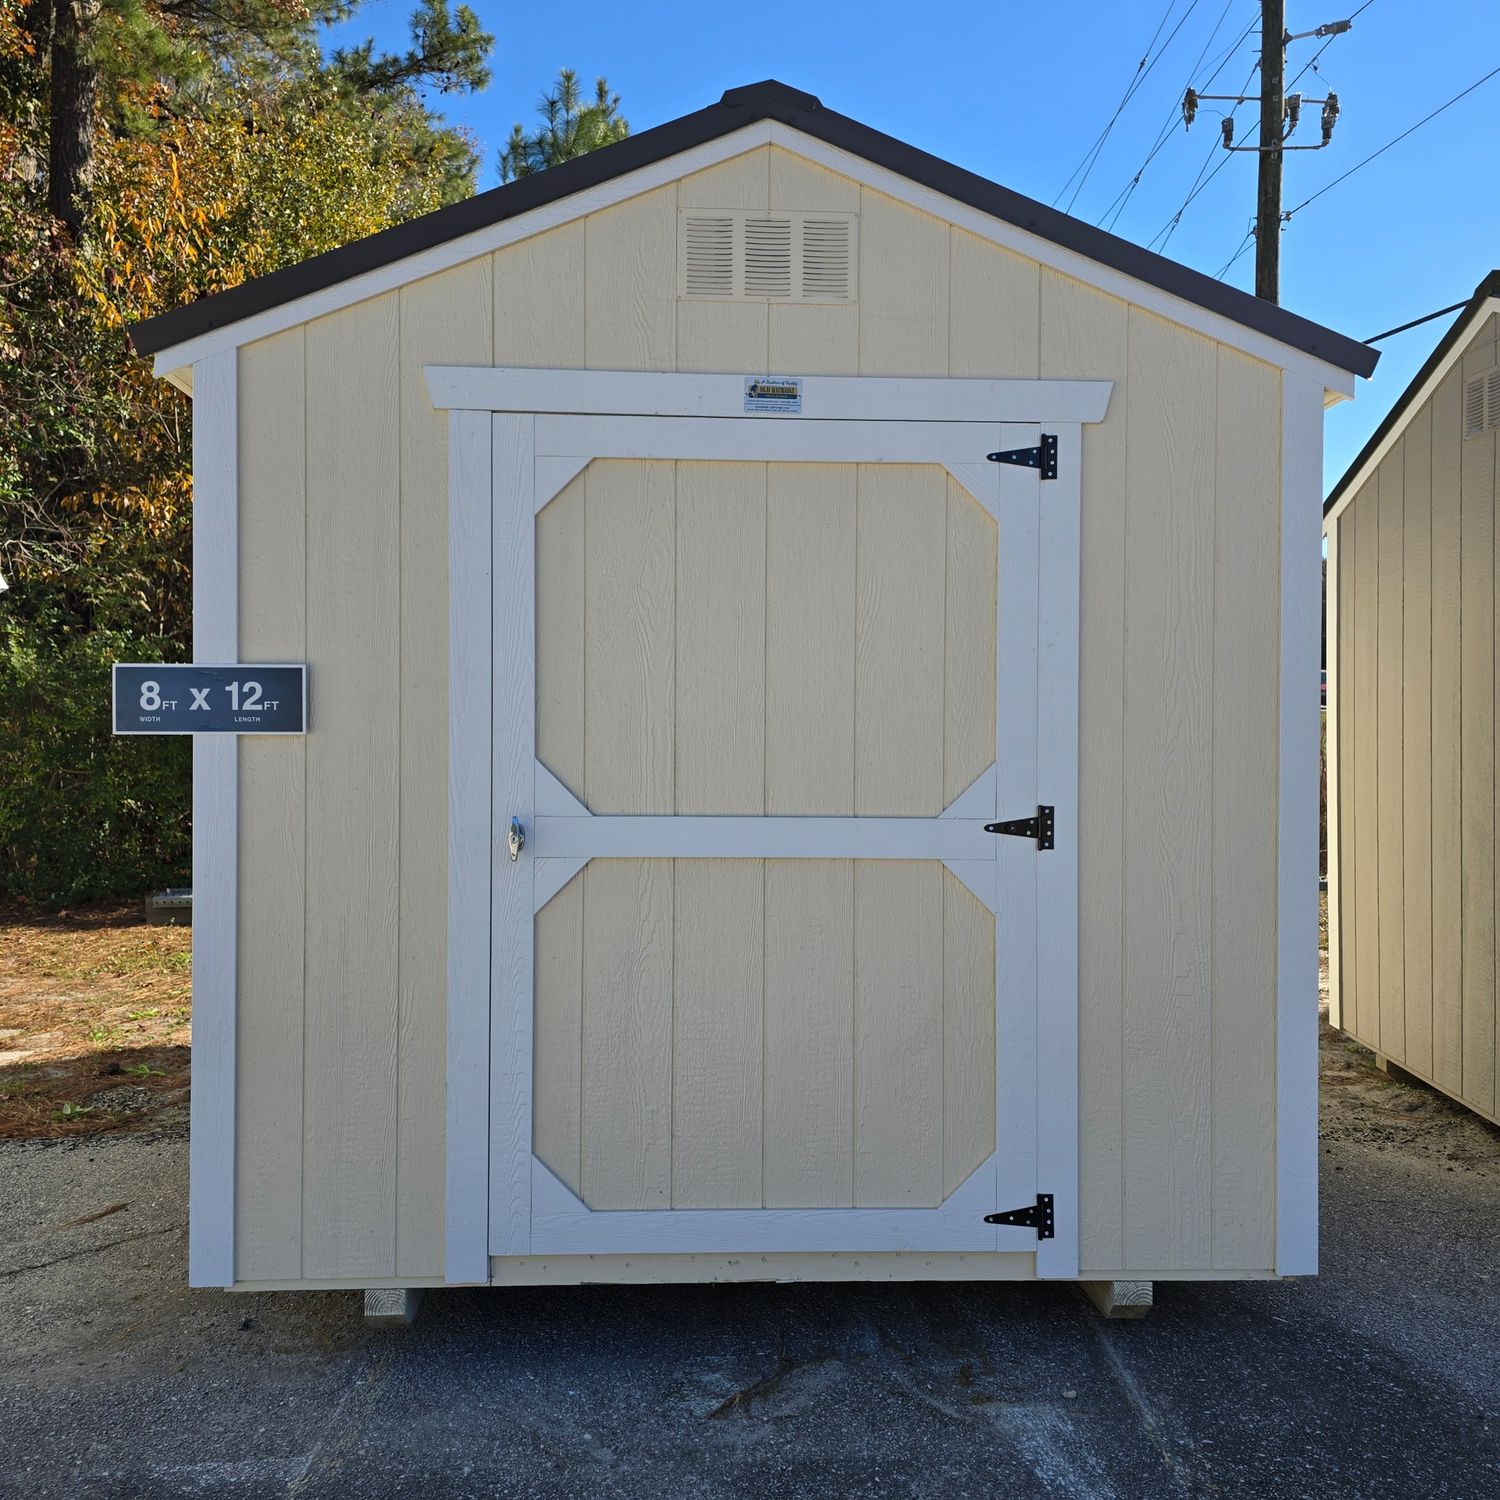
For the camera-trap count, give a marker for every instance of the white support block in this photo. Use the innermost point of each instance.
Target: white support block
(1119, 1299)
(392, 1307)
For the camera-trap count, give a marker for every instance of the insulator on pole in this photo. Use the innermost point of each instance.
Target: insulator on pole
(1189, 107)
(1227, 126)
(1293, 111)
(1330, 116)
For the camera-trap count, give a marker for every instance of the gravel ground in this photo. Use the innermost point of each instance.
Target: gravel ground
(1379, 1378)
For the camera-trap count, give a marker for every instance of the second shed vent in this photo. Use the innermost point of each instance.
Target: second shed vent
(736, 256)
(1482, 403)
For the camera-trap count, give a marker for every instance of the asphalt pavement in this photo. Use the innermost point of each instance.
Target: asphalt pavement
(1381, 1377)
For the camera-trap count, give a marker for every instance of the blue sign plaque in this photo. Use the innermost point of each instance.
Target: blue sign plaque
(186, 698)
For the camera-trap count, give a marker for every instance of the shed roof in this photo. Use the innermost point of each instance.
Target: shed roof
(737, 109)
(1405, 404)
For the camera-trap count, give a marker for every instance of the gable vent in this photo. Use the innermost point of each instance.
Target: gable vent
(737, 256)
(1482, 403)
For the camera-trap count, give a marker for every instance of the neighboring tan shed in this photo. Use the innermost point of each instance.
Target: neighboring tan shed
(779, 644)
(1412, 750)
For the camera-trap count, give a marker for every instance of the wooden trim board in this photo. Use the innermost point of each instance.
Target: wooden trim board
(1297, 833)
(854, 398)
(211, 1170)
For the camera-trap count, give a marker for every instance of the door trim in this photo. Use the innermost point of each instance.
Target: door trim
(491, 584)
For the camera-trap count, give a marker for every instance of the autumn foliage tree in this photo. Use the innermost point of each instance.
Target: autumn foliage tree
(215, 151)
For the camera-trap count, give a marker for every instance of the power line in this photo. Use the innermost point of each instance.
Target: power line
(1416, 322)
(1381, 152)
(1123, 196)
(1143, 71)
(1167, 230)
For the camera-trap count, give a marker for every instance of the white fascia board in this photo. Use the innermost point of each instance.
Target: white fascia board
(1415, 400)
(764, 132)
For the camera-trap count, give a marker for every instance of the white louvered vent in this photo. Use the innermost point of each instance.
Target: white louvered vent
(737, 256)
(1482, 403)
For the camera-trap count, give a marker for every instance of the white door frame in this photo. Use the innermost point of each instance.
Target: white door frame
(517, 437)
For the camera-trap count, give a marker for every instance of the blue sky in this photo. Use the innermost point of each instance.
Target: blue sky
(1019, 91)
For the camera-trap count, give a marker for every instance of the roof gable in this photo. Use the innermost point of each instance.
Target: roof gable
(737, 110)
(1442, 359)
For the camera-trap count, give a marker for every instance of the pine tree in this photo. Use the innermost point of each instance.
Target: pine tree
(568, 128)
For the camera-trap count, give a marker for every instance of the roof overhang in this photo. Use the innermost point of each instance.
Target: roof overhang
(745, 119)
(1450, 349)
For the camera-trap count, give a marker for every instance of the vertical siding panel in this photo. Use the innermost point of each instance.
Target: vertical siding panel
(1447, 806)
(812, 338)
(898, 1033)
(631, 284)
(903, 289)
(630, 546)
(1389, 783)
(444, 320)
(1351, 850)
(810, 526)
(809, 1034)
(1366, 515)
(994, 314)
(1477, 685)
(1416, 738)
(560, 648)
(627, 1033)
(353, 791)
(1246, 632)
(898, 695)
(721, 638)
(1168, 733)
(1085, 335)
(718, 993)
(969, 643)
(557, 1103)
(272, 849)
(725, 335)
(808, 1143)
(539, 300)
(968, 1033)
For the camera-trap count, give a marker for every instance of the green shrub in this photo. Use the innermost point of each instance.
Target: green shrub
(83, 815)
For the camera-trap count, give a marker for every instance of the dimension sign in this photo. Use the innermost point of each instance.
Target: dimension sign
(186, 698)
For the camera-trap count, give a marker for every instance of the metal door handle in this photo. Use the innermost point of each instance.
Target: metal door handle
(517, 839)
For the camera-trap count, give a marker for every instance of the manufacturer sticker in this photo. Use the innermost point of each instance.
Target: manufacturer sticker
(773, 393)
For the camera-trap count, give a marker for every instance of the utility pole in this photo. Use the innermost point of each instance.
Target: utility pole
(1280, 114)
(1273, 39)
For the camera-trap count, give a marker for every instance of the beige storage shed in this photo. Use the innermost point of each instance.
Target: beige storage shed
(810, 768)
(1412, 751)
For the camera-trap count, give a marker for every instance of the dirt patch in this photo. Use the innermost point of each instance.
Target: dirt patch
(1359, 1102)
(95, 1022)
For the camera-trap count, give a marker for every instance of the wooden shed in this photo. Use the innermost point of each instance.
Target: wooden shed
(1412, 750)
(810, 741)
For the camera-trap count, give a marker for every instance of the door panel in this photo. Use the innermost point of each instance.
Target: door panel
(764, 1034)
(746, 638)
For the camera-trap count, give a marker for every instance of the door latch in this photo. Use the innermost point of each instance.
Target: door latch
(517, 840)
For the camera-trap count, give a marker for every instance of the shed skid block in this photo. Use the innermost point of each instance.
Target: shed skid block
(392, 1307)
(1119, 1299)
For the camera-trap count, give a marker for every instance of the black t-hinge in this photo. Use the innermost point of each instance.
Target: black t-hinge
(1043, 456)
(1038, 1217)
(1039, 828)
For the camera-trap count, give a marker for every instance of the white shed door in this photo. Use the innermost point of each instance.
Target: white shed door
(760, 978)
